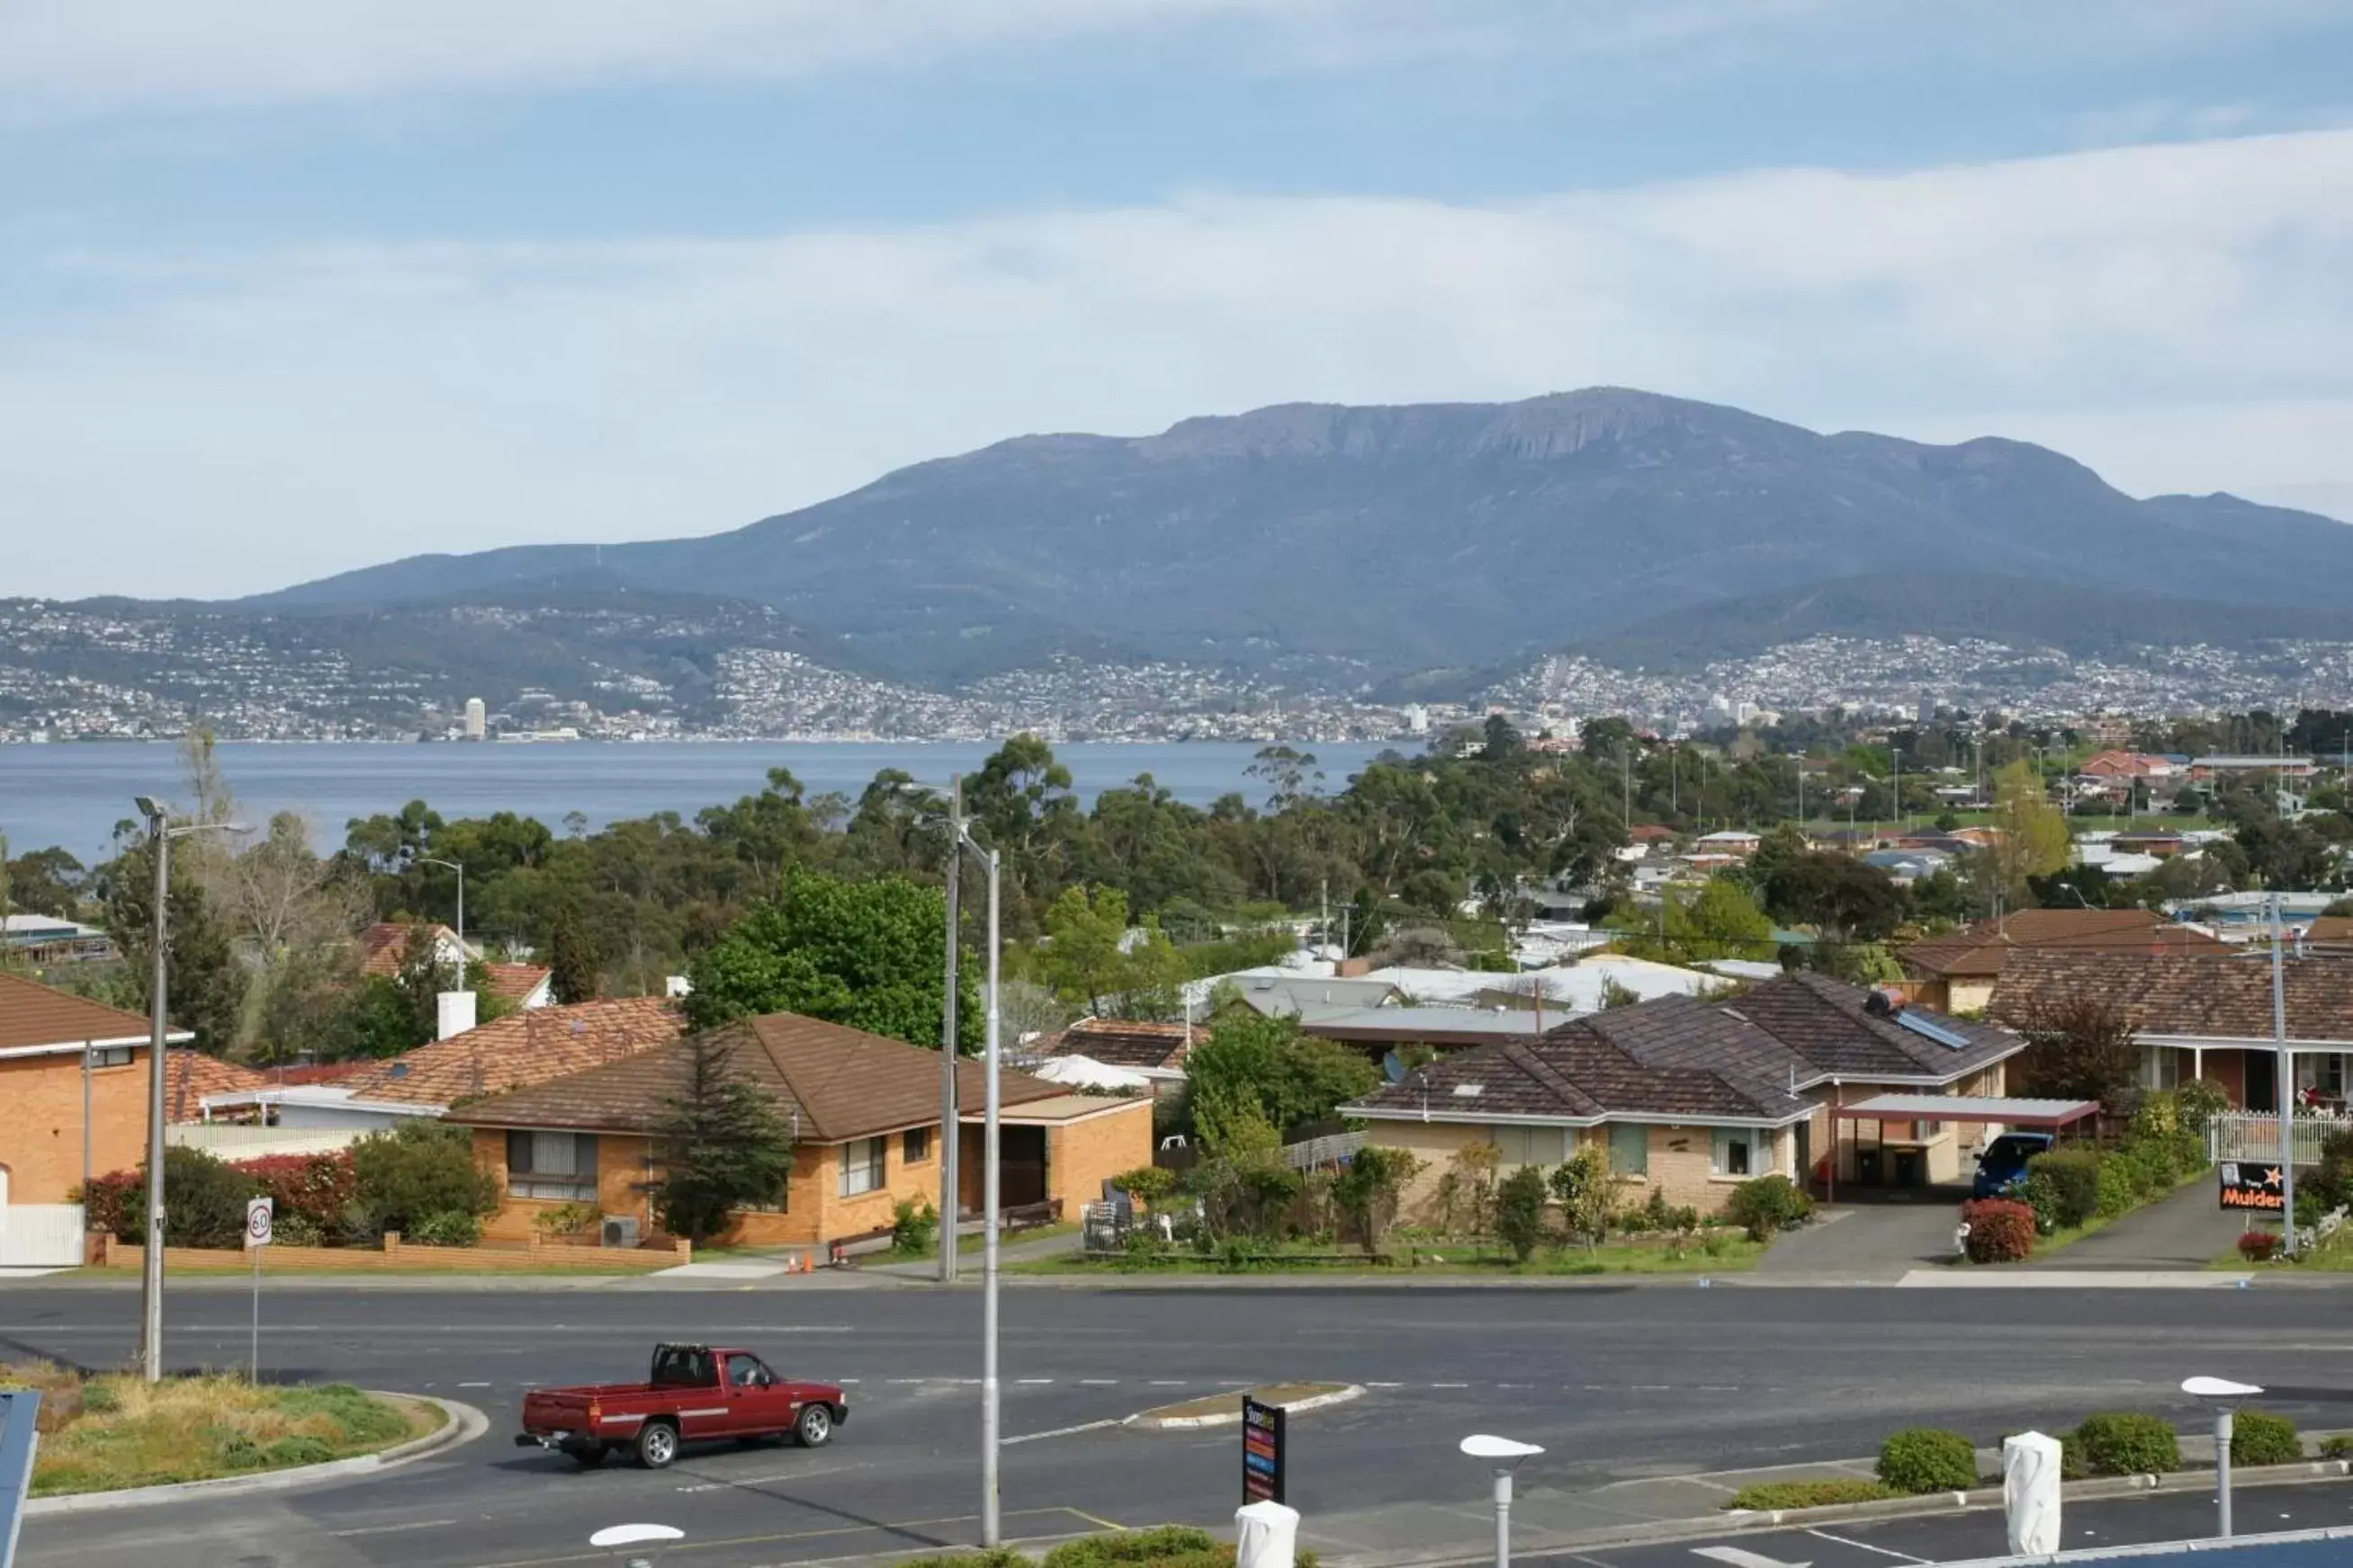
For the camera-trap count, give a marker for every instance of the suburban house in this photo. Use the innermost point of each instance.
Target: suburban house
(1155, 1051)
(2205, 1016)
(522, 986)
(1693, 1097)
(513, 1052)
(45, 939)
(2121, 765)
(1287, 994)
(74, 1080)
(865, 1115)
(1732, 841)
(1958, 972)
(2207, 772)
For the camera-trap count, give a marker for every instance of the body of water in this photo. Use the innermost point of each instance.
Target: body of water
(73, 794)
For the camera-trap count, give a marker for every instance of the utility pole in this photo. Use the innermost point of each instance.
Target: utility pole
(2283, 1073)
(151, 1300)
(990, 1226)
(951, 1207)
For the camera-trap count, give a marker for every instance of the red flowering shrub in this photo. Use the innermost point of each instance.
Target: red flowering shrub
(2002, 1230)
(2257, 1245)
(310, 1193)
(117, 1205)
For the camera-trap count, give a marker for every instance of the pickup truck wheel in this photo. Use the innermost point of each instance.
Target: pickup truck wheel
(656, 1445)
(814, 1430)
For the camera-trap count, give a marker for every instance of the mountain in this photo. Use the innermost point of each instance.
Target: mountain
(1361, 544)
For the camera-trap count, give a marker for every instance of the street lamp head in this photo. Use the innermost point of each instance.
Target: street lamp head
(1484, 1445)
(2218, 1391)
(636, 1534)
(149, 806)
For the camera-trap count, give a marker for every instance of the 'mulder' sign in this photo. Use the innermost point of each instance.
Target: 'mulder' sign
(2248, 1186)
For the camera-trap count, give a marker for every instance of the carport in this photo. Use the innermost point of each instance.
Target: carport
(2036, 1115)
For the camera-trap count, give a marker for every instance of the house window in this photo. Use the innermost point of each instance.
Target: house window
(1734, 1153)
(1630, 1149)
(558, 1166)
(111, 1057)
(1528, 1145)
(862, 1165)
(914, 1145)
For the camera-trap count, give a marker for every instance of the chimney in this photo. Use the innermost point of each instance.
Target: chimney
(453, 1014)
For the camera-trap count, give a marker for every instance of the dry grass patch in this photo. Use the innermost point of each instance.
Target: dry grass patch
(132, 1434)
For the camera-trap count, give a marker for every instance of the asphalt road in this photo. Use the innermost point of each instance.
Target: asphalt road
(1614, 1383)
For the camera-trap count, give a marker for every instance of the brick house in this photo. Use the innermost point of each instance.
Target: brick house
(1693, 1097)
(865, 1113)
(1958, 972)
(522, 986)
(62, 1056)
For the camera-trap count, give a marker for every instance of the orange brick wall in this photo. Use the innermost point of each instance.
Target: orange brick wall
(622, 1172)
(41, 1123)
(1080, 1155)
(1680, 1158)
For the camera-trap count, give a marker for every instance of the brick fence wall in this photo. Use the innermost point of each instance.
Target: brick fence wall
(107, 1252)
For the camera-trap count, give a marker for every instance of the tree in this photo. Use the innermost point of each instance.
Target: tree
(1720, 921)
(1084, 960)
(1268, 1067)
(416, 1171)
(721, 1144)
(1370, 1188)
(2031, 834)
(2080, 1047)
(1520, 1211)
(871, 955)
(205, 981)
(571, 960)
(1838, 894)
(1586, 1193)
(44, 882)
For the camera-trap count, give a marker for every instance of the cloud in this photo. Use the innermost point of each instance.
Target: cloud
(229, 422)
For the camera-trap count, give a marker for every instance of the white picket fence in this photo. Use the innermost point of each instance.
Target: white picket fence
(2254, 1135)
(1317, 1152)
(40, 1236)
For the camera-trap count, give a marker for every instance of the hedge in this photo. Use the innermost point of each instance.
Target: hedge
(2122, 1443)
(2072, 1176)
(1770, 1496)
(1929, 1459)
(2002, 1230)
(2259, 1437)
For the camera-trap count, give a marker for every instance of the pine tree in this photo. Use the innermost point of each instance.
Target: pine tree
(571, 959)
(721, 1144)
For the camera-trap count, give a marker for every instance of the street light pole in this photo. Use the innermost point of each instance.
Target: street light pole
(989, 1227)
(462, 956)
(2283, 1078)
(1504, 1453)
(951, 1187)
(2223, 1397)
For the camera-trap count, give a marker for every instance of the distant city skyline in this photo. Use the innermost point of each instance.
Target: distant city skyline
(290, 289)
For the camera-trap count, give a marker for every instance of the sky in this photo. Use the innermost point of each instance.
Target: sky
(288, 286)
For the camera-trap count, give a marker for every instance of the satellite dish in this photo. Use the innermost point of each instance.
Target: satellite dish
(636, 1534)
(1481, 1446)
(1393, 1066)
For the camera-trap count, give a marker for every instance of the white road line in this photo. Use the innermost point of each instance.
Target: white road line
(1867, 1546)
(1034, 1382)
(1515, 1386)
(473, 1385)
(1061, 1431)
(1741, 1557)
(389, 1529)
(1098, 1382)
(1385, 1385)
(1638, 1388)
(847, 1381)
(891, 1380)
(1167, 1383)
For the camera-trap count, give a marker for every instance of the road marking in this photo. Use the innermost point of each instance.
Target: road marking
(1167, 1383)
(1385, 1385)
(1515, 1386)
(1062, 1431)
(882, 1526)
(389, 1529)
(892, 1380)
(1738, 1557)
(1867, 1546)
(1098, 1382)
(1034, 1382)
(473, 1385)
(1449, 1385)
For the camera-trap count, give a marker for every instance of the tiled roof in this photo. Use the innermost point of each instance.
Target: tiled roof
(832, 1082)
(2227, 997)
(1981, 950)
(1123, 1042)
(516, 982)
(2329, 931)
(1744, 1059)
(189, 1075)
(520, 1050)
(33, 1014)
(381, 944)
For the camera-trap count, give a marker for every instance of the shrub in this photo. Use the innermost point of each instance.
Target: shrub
(1929, 1459)
(2257, 1245)
(2336, 1446)
(2121, 1443)
(1766, 1205)
(2072, 1178)
(451, 1227)
(566, 1219)
(2118, 1191)
(308, 1192)
(1771, 1495)
(2259, 1437)
(2002, 1230)
(2040, 1196)
(1148, 1185)
(1520, 1211)
(915, 1227)
(1169, 1542)
(298, 1450)
(988, 1557)
(416, 1169)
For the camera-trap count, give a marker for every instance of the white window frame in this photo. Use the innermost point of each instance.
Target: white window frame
(1719, 1149)
(865, 1166)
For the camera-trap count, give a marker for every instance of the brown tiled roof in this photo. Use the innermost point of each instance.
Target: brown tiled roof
(832, 1082)
(1122, 1043)
(516, 982)
(1979, 951)
(520, 1050)
(189, 1075)
(1678, 1056)
(381, 944)
(32, 1013)
(2225, 996)
(2329, 931)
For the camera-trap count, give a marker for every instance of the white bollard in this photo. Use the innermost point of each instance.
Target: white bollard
(1265, 1535)
(2030, 1493)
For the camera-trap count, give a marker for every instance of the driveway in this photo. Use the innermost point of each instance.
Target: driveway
(2187, 1230)
(1878, 1240)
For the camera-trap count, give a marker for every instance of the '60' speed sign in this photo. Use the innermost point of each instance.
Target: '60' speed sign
(257, 1221)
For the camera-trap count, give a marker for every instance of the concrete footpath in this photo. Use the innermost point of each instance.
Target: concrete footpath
(1553, 1521)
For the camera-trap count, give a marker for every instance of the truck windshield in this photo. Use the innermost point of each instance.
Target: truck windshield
(685, 1366)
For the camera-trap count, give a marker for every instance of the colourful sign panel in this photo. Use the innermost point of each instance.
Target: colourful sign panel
(1261, 1451)
(2251, 1185)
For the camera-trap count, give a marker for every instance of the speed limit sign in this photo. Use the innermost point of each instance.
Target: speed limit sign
(257, 1221)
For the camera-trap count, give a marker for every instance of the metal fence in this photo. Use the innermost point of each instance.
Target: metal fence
(2254, 1135)
(41, 1236)
(1334, 1150)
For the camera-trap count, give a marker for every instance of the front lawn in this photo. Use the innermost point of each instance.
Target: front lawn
(129, 1433)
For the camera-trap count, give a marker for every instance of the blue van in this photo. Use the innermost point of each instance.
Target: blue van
(2003, 1164)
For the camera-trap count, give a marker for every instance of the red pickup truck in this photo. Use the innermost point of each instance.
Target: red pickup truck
(697, 1393)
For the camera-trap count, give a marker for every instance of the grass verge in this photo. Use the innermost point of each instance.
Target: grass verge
(1731, 1256)
(1230, 1402)
(115, 1431)
(1765, 1496)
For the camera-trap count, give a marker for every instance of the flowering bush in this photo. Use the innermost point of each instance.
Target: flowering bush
(311, 1190)
(2257, 1245)
(2002, 1230)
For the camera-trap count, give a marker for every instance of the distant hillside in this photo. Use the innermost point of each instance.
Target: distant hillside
(1367, 543)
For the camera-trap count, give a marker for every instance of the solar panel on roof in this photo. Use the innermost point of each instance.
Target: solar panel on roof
(1927, 1030)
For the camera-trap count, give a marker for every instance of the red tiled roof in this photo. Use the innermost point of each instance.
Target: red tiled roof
(833, 1083)
(515, 981)
(520, 1050)
(2227, 996)
(33, 1014)
(382, 943)
(189, 1076)
(1981, 951)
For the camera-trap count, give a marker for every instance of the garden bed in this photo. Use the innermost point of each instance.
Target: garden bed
(1726, 1254)
(115, 1431)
